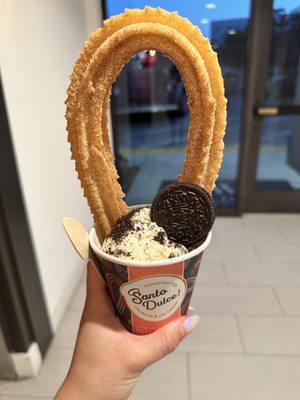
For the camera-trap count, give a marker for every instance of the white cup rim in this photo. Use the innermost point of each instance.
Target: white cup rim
(94, 242)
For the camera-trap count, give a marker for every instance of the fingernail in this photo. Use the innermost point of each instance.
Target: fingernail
(190, 323)
(191, 311)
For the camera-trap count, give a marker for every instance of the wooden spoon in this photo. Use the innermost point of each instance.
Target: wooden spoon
(78, 236)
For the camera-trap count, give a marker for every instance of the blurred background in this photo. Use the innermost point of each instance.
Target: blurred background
(248, 295)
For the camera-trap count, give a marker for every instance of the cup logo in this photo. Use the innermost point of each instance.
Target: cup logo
(154, 298)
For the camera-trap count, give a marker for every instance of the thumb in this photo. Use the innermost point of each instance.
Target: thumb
(165, 340)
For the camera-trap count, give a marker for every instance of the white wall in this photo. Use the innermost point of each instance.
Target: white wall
(39, 42)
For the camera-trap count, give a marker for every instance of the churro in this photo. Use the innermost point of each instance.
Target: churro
(100, 62)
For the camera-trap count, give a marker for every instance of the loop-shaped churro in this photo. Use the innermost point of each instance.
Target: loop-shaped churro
(102, 58)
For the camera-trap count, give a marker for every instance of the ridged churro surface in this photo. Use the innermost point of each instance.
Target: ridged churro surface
(102, 58)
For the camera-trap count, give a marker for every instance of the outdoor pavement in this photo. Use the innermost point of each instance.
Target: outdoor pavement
(247, 344)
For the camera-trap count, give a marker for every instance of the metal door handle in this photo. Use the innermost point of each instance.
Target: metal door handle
(280, 110)
(267, 110)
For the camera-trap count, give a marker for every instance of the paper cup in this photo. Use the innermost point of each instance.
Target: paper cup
(149, 294)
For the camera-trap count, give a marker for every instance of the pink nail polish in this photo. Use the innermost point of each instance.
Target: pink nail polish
(190, 323)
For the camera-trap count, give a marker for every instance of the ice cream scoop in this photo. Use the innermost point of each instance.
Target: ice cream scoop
(136, 237)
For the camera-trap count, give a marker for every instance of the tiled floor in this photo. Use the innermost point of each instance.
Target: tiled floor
(247, 345)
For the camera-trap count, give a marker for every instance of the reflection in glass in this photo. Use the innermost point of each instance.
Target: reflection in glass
(279, 151)
(149, 104)
(279, 155)
(281, 84)
(151, 121)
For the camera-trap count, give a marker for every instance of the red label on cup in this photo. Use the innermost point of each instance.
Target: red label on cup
(154, 295)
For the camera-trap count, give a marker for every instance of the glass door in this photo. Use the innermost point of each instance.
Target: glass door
(272, 179)
(150, 115)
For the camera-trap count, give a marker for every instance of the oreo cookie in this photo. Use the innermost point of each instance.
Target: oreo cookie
(185, 211)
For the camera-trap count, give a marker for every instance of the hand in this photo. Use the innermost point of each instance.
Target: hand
(108, 360)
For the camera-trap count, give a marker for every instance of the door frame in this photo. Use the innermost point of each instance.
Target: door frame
(251, 199)
(24, 317)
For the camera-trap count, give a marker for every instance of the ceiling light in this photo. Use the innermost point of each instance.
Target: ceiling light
(204, 21)
(231, 31)
(210, 6)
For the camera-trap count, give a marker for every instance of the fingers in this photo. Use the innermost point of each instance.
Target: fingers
(165, 340)
(98, 303)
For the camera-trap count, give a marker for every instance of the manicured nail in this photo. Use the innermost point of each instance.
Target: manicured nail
(191, 311)
(190, 323)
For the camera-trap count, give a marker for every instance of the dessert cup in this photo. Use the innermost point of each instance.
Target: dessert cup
(148, 294)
